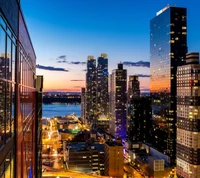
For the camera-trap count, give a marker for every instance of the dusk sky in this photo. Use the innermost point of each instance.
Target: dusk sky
(65, 32)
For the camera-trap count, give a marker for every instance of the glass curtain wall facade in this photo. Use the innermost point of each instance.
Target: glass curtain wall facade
(8, 43)
(168, 47)
(17, 90)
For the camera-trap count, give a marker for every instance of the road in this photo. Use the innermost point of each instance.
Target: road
(70, 174)
(132, 173)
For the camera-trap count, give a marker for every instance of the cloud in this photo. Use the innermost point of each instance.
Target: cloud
(84, 70)
(62, 57)
(137, 64)
(51, 68)
(77, 80)
(62, 61)
(77, 63)
(78, 86)
(143, 75)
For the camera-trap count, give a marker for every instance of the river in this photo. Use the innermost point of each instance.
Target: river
(51, 110)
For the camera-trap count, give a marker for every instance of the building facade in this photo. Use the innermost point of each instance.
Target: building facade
(188, 114)
(133, 92)
(133, 87)
(168, 46)
(117, 104)
(38, 128)
(114, 159)
(83, 105)
(91, 88)
(17, 103)
(86, 158)
(102, 85)
(139, 119)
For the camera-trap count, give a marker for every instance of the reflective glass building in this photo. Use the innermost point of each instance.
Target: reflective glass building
(102, 85)
(168, 47)
(117, 103)
(17, 94)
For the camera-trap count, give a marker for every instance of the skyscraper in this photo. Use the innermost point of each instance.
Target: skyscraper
(117, 104)
(18, 155)
(168, 46)
(38, 128)
(91, 88)
(102, 85)
(133, 87)
(83, 105)
(188, 123)
(138, 113)
(133, 92)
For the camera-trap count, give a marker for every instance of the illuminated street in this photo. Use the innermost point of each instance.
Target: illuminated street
(70, 175)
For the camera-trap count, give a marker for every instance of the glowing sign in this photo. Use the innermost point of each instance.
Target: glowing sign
(162, 10)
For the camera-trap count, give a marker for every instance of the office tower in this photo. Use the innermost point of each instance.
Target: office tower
(17, 94)
(91, 88)
(118, 97)
(83, 105)
(168, 46)
(114, 159)
(188, 123)
(38, 128)
(102, 85)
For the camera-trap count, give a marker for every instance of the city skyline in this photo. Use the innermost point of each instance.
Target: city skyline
(71, 33)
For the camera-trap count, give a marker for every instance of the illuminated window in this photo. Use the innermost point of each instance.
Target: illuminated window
(183, 28)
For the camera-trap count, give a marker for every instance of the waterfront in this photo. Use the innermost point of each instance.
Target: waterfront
(51, 110)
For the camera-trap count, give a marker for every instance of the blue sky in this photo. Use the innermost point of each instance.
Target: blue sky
(78, 28)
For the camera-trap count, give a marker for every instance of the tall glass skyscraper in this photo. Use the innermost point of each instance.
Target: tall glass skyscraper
(117, 104)
(91, 88)
(102, 85)
(168, 47)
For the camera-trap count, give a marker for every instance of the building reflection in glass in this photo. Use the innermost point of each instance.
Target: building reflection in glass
(168, 46)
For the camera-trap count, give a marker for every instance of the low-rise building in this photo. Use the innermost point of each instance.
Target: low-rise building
(85, 157)
(114, 160)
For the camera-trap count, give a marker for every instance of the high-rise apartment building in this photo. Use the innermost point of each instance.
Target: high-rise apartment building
(102, 85)
(114, 159)
(117, 104)
(38, 128)
(91, 88)
(133, 87)
(188, 114)
(168, 46)
(83, 105)
(133, 92)
(139, 119)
